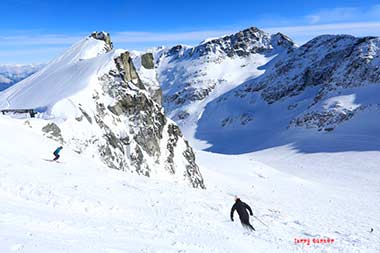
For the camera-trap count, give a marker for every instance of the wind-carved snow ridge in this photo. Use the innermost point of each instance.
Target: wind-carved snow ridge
(96, 103)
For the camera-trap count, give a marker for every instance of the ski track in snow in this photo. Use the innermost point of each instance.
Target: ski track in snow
(79, 205)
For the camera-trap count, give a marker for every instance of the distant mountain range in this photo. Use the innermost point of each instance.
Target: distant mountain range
(11, 74)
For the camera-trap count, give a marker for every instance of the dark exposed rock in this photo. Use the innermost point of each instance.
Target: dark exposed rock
(157, 95)
(146, 123)
(86, 115)
(127, 70)
(326, 120)
(137, 159)
(176, 50)
(174, 133)
(52, 131)
(147, 61)
(183, 114)
(192, 169)
(189, 94)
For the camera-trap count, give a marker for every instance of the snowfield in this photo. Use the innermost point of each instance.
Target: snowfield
(79, 205)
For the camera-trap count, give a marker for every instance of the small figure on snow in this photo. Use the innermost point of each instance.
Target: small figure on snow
(56, 153)
(241, 209)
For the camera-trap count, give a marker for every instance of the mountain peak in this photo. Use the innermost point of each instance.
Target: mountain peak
(244, 43)
(104, 36)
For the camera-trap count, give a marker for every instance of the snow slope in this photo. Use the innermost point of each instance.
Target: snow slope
(79, 205)
(64, 76)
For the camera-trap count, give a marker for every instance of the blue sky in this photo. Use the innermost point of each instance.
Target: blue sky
(34, 31)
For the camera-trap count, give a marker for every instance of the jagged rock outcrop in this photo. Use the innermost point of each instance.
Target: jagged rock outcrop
(146, 70)
(52, 131)
(147, 61)
(147, 141)
(127, 69)
(144, 142)
(104, 37)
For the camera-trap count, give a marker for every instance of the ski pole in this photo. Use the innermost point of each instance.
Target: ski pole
(260, 221)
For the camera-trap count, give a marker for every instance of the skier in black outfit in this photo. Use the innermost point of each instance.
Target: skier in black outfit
(241, 209)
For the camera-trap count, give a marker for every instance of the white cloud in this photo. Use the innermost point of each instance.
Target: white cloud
(301, 34)
(344, 14)
(335, 28)
(39, 39)
(167, 36)
(29, 55)
(333, 15)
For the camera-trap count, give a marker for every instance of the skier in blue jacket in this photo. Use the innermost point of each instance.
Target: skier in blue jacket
(56, 153)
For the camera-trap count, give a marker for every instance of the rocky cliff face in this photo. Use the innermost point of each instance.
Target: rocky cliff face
(147, 143)
(135, 133)
(127, 69)
(99, 106)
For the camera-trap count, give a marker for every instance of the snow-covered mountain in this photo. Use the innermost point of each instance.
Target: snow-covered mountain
(190, 77)
(251, 91)
(11, 74)
(92, 100)
(314, 97)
